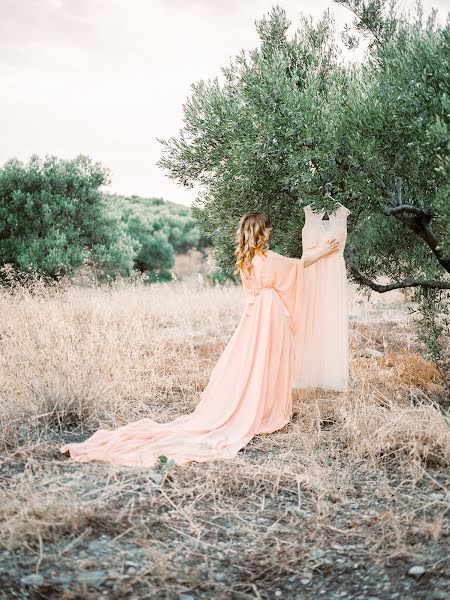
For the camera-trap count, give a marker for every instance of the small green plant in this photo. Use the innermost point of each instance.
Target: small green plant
(166, 462)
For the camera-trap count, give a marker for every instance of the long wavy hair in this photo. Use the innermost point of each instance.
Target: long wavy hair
(251, 239)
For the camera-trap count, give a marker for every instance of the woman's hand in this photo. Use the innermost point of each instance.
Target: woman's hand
(330, 247)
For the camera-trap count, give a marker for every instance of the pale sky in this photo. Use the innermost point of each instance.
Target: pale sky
(107, 77)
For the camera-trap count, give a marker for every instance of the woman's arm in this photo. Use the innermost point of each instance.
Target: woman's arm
(330, 247)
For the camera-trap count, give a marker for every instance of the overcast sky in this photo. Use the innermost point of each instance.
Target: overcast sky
(107, 77)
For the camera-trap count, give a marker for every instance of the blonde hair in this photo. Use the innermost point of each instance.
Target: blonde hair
(250, 240)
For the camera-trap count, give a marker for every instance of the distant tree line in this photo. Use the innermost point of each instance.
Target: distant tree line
(162, 229)
(54, 218)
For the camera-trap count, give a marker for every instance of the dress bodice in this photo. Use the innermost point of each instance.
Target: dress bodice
(316, 230)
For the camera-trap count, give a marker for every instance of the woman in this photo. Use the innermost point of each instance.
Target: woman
(250, 388)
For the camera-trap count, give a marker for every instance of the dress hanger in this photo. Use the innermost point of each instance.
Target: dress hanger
(326, 215)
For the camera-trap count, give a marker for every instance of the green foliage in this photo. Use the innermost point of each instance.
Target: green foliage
(433, 327)
(394, 144)
(439, 137)
(161, 228)
(219, 277)
(53, 218)
(166, 462)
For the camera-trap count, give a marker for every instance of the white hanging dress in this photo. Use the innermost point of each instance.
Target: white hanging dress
(321, 343)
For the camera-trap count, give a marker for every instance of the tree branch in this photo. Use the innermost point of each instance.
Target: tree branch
(405, 283)
(360, 20)
(416, 219)
(407, 208)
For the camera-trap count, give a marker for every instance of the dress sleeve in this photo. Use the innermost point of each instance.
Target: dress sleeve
(285, 274)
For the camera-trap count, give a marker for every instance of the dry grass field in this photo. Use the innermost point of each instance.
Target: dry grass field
(350, 500)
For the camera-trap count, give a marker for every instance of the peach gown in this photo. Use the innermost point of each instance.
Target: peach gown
(249, 391)
(321, 341)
